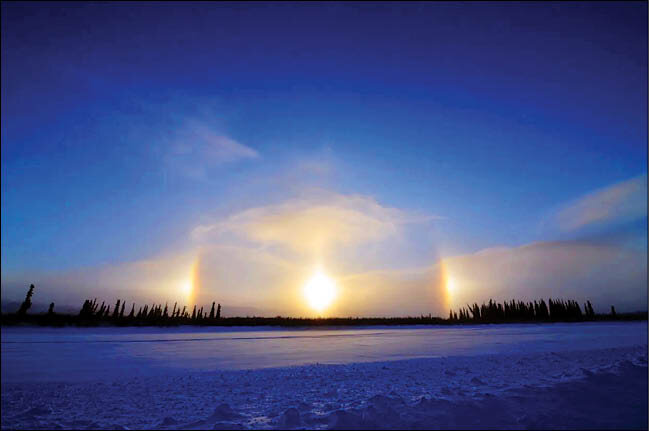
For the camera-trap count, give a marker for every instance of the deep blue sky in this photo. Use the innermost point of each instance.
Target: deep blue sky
(491, 115)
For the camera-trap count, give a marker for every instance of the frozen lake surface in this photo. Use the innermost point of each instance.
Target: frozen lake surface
(91, 353)
(552, 376)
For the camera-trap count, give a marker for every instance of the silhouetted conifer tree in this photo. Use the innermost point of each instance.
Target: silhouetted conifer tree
(121, 312)
(475, 311)
(588, 309)
(50, 311)
(27, 303)
(132, 313)
(212, 311)
(84, 308)
(218, 311)
(543, 308)
(116, 311)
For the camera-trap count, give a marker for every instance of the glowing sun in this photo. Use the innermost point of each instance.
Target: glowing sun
(186, 287)
(450, 285)
(319, 291)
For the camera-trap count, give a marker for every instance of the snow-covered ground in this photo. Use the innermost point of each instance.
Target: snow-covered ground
(488, 376)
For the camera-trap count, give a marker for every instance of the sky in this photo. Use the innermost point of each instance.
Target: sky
(421, 155)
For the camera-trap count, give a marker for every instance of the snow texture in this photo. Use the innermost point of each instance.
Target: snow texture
(556, 388)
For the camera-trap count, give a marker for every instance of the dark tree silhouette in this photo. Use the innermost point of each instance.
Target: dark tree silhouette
(85, 309)
(588, 307)
(91, 313)
(27, 303)
(543, 308)
(520, 311)
(116, 311)
(89, 309)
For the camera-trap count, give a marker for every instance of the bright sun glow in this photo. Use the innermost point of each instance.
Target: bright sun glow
(319, 291)
(450, 285)
(186, 287)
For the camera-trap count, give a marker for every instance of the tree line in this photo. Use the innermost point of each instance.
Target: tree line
(154, 314)
(520, 311)
(93, 313)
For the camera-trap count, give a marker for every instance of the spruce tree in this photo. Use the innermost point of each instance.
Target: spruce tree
(27, 303)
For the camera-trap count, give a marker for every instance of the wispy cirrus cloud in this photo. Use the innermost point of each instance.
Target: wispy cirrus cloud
(196, 148)
(621, 202)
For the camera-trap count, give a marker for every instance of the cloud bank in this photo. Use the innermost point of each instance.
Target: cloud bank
(606, 274)
(621, 202)
(314, 225)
